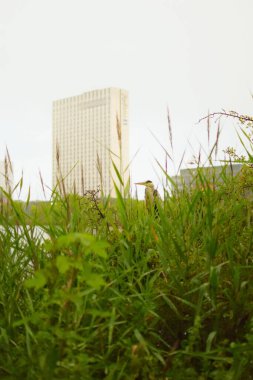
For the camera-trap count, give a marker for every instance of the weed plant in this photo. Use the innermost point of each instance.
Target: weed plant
(114, 292)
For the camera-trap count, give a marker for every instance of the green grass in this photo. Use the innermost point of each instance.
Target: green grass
(121, 294)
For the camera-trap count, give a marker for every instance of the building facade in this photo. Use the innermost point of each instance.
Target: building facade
(189, 178)
(89, 132)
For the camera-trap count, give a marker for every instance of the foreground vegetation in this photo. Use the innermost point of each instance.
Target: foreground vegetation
(114, 292)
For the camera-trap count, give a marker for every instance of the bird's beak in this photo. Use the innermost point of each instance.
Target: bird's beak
(140, 183)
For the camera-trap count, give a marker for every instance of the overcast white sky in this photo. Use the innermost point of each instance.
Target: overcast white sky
(189, 55)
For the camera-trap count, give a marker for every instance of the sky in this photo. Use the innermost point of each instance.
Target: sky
(188, 56)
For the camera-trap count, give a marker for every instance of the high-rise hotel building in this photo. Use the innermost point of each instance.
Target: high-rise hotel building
(89, 132)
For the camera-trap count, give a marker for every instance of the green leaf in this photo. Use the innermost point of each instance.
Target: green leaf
(86, 241)
(209, 340)
(95, 280)
(121, 205)
(117, 173)
(63, 264)
(99, 248)
(38, 281)
(171, 305)
(71, 239)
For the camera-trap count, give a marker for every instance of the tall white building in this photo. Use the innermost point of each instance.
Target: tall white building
(89, 131)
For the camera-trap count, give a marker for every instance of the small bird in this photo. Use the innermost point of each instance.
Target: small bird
(152, 196)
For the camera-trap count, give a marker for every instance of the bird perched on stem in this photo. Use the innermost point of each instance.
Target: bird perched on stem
(152, 197)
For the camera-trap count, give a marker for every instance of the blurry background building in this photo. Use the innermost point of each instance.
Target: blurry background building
(212, 175)
(89, 131)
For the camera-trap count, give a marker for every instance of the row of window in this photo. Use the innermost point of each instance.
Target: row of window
(96, 95)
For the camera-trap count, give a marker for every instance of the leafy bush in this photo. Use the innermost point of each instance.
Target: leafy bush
(106, 290)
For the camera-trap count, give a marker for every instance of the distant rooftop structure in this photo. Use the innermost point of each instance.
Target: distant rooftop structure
(214, 175)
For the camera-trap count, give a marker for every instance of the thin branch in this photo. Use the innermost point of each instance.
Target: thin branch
(233, 114)
(92, 195)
